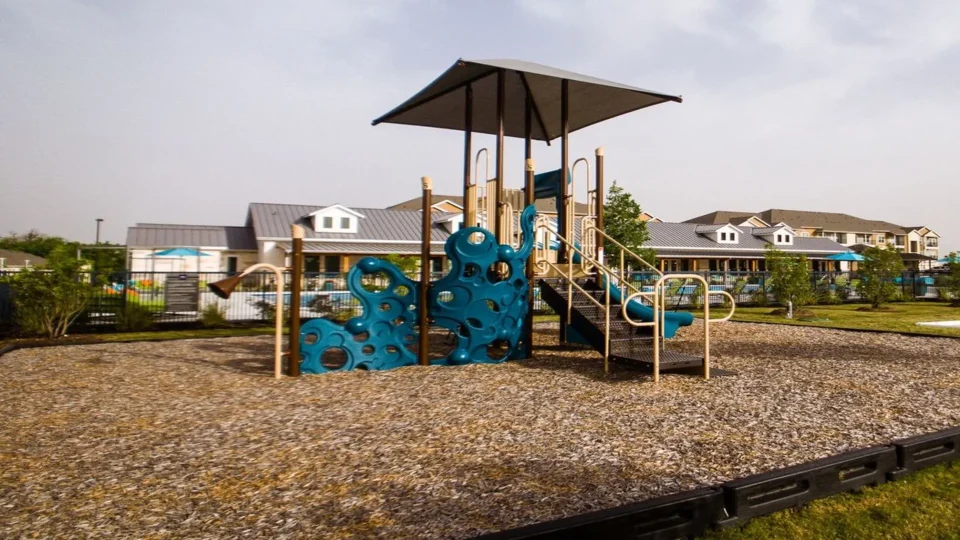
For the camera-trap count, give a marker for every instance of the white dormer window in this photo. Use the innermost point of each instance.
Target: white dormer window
(721, 234)
(335, 218)
(779, 235)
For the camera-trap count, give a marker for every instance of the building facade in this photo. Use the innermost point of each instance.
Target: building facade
(846, 230)
(335, 238)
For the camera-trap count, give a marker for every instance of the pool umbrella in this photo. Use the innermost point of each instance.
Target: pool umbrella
(181, 252)
(846, 256)
(948, 259)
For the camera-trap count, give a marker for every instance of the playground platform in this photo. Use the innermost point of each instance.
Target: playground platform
(195, 439)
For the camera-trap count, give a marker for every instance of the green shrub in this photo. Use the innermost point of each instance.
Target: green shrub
(213, 316)
(48, 300)
(759, 298)
(135, 318)
(268, 311)
(878, 271)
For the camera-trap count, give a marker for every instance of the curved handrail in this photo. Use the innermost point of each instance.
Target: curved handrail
(733, 306)
(623, 248)
(476, 166)
(638, 294)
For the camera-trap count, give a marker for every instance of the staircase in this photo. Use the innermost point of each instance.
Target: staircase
(629, 345)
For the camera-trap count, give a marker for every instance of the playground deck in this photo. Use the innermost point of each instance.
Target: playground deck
(193, 438)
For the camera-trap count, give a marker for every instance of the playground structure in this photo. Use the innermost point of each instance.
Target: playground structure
(486, 299)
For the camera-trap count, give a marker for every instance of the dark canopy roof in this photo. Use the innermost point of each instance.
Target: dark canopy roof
(442, 104)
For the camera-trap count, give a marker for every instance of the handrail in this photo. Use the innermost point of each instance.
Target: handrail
(546, 265)
(733, 306)
(506, 225)
(623, 282)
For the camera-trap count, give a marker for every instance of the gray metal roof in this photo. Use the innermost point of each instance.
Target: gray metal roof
(730, 254)
(160, 235)
(19, 258)
(442, 104)
(684, 235)
(761, 231)
(710, 228)
(352, 248)
(274, 220)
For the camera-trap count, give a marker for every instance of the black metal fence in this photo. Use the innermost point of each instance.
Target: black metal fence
(157, 298)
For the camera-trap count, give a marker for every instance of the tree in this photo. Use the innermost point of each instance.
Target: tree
(48, 300)
(34, 243)
(953, 279)
(790, 277)
(621, 220)
(881, 266)
(406, 263)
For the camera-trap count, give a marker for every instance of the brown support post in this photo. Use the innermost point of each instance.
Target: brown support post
(528, 199)
(498, 199)
(598, 241)
(296, 262)
(469, 193)
(423, 355)
(562, 224)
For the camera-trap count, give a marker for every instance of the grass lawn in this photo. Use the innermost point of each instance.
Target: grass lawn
(923, 505)
(902, 317)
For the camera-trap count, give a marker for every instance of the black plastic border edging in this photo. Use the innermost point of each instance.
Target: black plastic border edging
(691, 513)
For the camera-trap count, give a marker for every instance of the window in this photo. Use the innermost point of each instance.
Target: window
(344, 223)
(331, 263)
(899, 240)
(231, 265)
(864, 238)
(328, 223)
(723, 237)
(733, 237)
(779, 239)
(842, 238)
(881, 239)
(933, 242)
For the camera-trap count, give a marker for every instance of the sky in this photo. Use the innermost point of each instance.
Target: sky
(180, 111)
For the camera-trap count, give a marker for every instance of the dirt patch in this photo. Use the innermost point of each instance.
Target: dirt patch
(881, 309)
(798, 314)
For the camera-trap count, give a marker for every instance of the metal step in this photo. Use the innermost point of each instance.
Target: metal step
(668, 359)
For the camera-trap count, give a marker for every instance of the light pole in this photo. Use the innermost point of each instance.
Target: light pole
(99, 221)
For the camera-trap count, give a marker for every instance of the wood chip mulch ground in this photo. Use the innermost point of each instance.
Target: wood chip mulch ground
(195, 439)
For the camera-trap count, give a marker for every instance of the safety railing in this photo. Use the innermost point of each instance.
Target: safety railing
(622, 279)
(544, 265)
(659, 315)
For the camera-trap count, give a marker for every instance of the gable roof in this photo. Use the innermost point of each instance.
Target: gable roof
(270, 220)
(163, 235)
(828, 221)
(761, 231)
(685, 237)
(514, 197)
(338, 207)
(19, 258)
(721, 216)
(704, 229)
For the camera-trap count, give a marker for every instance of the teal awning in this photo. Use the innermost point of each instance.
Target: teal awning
(181, 252)
(846, 256)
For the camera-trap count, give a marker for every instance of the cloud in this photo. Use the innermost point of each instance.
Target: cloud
(153, 110)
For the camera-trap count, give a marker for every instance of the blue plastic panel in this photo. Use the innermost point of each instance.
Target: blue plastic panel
(378, 339)
(483, 300)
